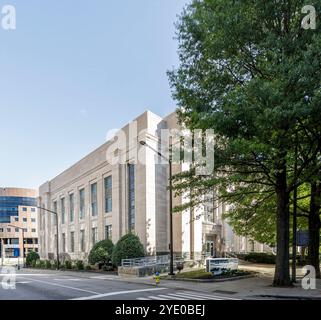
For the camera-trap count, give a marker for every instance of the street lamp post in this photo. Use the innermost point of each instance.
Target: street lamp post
(23, 243)
(57, 230)
(171, 247)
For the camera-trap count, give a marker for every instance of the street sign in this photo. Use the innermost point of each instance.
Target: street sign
(302, 238)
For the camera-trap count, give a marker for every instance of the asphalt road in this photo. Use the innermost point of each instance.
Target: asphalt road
(57, 285)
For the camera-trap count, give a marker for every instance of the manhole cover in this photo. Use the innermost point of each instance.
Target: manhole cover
(225, 292)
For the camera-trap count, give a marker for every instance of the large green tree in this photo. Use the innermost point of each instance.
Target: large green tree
(249, 71)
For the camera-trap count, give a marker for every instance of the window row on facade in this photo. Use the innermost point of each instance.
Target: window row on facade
(82, 239)
(82, 202)
(17, 230)
(80, 197)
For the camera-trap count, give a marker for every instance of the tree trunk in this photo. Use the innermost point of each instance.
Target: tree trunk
(314, 228)
(282, 267)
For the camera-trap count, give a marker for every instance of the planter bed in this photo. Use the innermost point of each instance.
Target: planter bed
(202, 276)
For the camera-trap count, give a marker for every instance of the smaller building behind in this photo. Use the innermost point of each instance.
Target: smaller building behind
(18, 224)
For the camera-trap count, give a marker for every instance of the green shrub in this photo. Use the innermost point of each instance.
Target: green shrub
(101, 253)
(31, 258)
(88, 267)
(108, 267)
(40, 264)
(128, 247)
(48, 264)
(33, 263)
(79, 265)
(68, 264)
(256, 257)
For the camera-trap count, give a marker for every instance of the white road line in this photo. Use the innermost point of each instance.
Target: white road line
(106, 278)
(156, 298)
(207, 296)
(69, 280)
(23, 282)
(190, 297)
(172, 297)
(143, 299)
(27, 275)
(98, 296)
(62, 286)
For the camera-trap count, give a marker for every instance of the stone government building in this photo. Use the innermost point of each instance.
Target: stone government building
(97, 200)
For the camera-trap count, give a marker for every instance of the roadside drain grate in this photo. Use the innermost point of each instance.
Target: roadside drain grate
(225, 292)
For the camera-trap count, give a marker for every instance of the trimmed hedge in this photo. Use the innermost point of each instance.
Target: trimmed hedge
(128, 247)
(257, 257)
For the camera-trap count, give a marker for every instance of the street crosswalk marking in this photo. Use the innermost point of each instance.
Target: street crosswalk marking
(173, 297)
(156, 298)
(186, 295)
(105, 278)
(73, 279)
(208, 296)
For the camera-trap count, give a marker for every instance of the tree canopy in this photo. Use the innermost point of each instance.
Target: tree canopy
(249, 71)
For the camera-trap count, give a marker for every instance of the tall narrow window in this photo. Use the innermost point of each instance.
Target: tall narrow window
(63, 211)
(71, 207)
(94, 234)
(63, 242)
(82, 240)
(55, 209)
(81, 204)
(131, 197)
(72, 241)
(108, 232)
(93, 196)
(108, 194)
(55, 241)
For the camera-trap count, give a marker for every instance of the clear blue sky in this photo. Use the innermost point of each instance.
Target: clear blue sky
(74, 69)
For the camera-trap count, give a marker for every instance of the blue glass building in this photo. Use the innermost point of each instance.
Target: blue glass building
(9, 206)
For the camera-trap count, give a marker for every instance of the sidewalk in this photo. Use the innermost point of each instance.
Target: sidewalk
(258, 287)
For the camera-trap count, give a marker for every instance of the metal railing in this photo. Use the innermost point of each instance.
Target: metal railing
(163, 260)
(146, 261)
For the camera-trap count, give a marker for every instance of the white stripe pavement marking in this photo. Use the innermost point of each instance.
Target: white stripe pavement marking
(27, 274)
(156, 298)
(199, 294)
(62, 286)
(23, 282)
(106, 278)
(190, 297)
(172, 297)
(143, 299)
(68, 279)
(98, 296)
